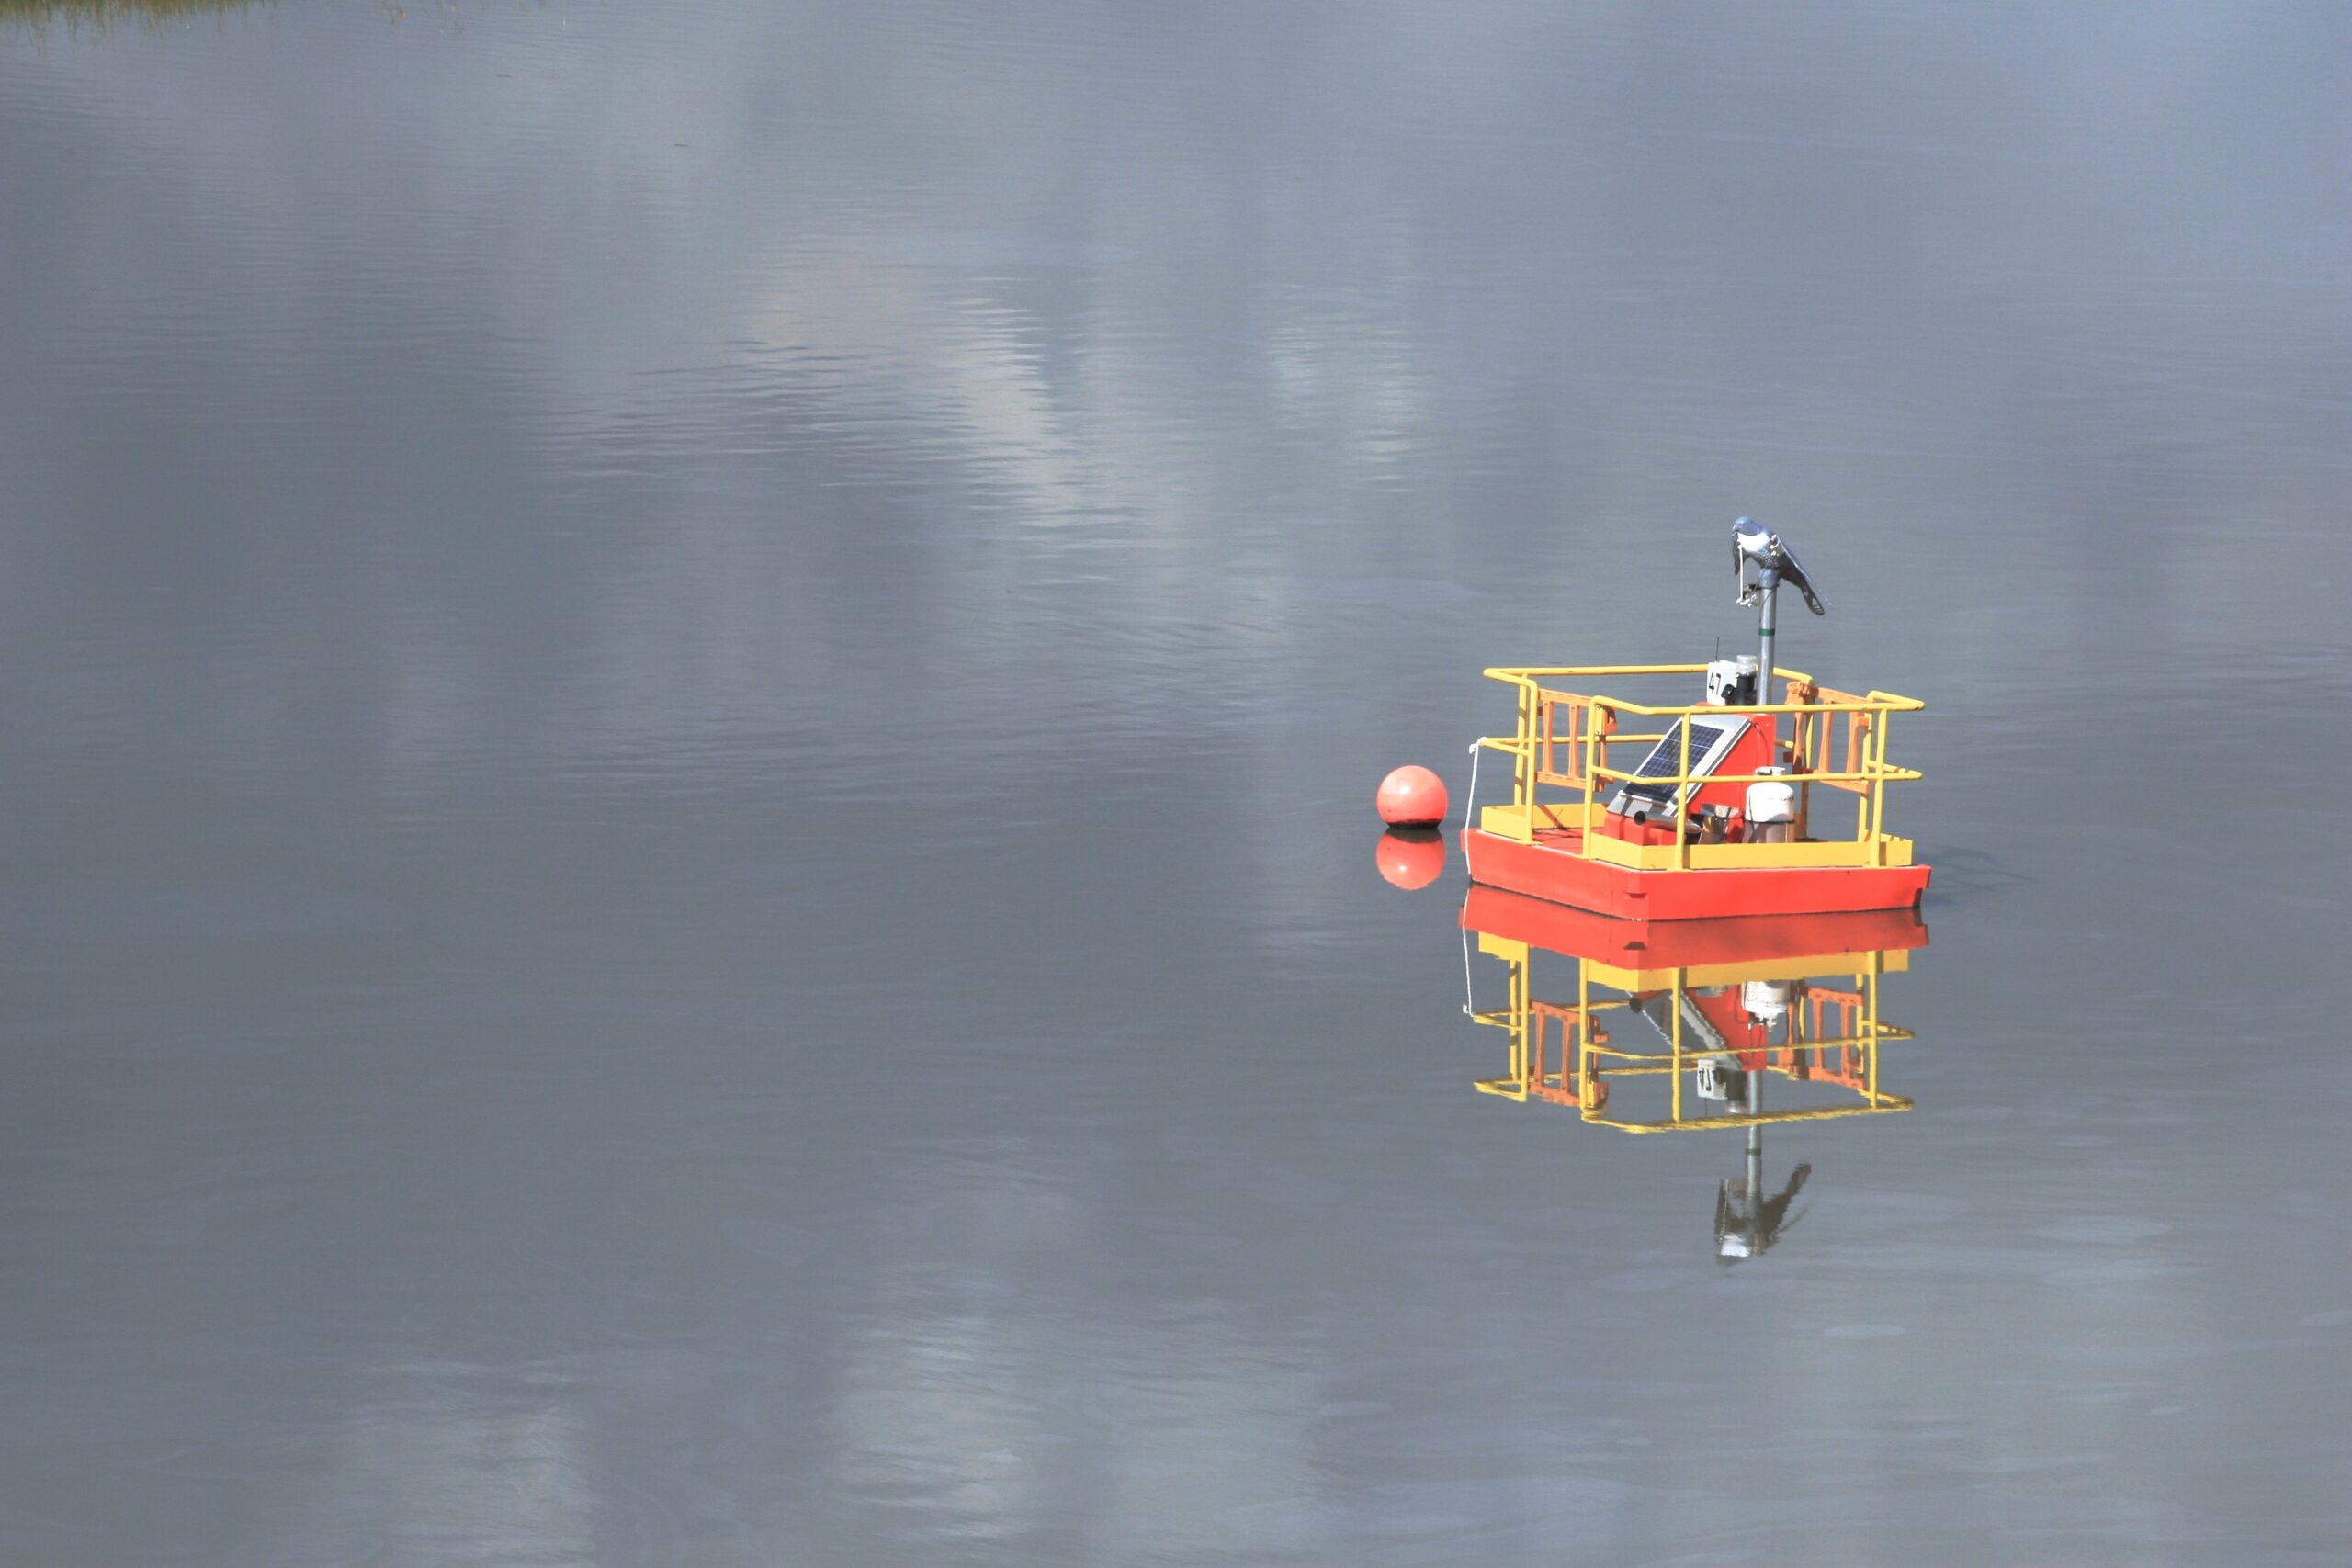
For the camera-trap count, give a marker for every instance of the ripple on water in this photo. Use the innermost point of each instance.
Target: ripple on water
(2119, 1271)
(1455, 1510)
(2093, 1230)
(1642, 1280)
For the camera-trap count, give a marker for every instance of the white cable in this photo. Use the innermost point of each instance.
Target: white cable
(1469, 1009)
(1470, 801)
(1469, 804)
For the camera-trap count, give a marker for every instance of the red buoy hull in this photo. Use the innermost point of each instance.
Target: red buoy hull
(1549, 868)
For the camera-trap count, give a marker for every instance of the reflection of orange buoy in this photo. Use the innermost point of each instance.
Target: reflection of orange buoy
(1411, 857)
(1412, 797)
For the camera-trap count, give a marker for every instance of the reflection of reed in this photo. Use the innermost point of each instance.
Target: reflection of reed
(104, 14)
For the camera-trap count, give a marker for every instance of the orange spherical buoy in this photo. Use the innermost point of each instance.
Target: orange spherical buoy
(1412, 798)
(1410, 857)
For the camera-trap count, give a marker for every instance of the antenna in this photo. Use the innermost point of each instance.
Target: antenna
(1754, 545)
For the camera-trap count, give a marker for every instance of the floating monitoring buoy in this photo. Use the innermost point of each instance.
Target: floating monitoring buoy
(1767, 796)
(1412, 798)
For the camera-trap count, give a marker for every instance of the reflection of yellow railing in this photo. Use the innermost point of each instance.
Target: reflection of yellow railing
(1563, 740)
(1831, 1041)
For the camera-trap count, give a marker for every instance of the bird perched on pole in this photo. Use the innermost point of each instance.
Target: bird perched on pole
(1751, 541)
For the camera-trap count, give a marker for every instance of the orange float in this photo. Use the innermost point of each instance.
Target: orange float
(1412, 797)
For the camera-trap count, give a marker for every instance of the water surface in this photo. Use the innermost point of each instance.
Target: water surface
(692, 695)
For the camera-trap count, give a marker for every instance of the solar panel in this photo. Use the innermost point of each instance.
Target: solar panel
(1708, 741)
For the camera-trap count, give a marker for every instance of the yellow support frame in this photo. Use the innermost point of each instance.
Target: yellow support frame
(1596, 1062)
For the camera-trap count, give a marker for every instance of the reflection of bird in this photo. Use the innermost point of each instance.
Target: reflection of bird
(1750, 540)
(1745, 1227)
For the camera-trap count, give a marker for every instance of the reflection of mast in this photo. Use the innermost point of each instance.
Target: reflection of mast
(1746, 1222)
(1727, 1005)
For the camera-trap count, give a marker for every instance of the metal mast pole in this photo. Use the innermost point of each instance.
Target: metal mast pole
(1768, 589)
(1756, 1181)
(1756, 1135)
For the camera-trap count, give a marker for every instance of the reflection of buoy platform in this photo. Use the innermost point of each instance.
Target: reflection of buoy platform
(1677, 1026)
(1726, 806)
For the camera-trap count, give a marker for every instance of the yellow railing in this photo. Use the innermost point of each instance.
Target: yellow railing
(1563, 743)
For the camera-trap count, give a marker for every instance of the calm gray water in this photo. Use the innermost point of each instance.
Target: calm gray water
(691, 696)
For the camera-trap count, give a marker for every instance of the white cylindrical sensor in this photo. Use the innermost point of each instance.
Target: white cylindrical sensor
(1771, 801)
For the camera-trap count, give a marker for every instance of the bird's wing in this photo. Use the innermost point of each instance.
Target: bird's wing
(1796, 574)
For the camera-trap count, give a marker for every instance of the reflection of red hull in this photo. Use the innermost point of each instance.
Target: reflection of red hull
(1547, 869)
(1681, 944)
